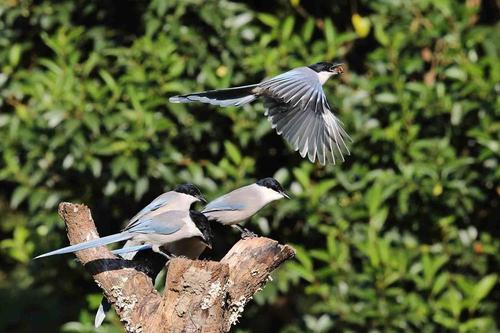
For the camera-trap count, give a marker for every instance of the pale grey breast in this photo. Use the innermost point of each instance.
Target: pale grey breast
(235, 206)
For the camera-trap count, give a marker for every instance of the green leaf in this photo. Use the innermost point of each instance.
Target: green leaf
(308, 29)
(20, 193)
(440, 283)
(15, 55)
(386, 98)
(304, 258)
(378, 219)
(380, 34)
(268, 19)
(483, 287)
(374, 198)
(329, 33)
(233, 152)
(110, 82)
(302, 177)
(287, 28)
(141, 186)
(456, 73)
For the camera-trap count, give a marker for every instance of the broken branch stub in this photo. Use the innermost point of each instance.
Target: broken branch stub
(199, 296)
(250, 262)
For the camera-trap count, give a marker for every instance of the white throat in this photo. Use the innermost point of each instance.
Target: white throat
(324, 76)
(267, 195)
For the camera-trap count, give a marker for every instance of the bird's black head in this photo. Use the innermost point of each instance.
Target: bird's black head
(332, 67)
(272, 184)
(191, 190)
(203, 224)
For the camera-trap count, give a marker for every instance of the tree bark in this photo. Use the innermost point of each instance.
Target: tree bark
(199, 296)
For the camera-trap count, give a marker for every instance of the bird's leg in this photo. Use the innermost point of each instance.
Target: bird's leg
(238, 227)
(158, 250)
(245, 233)
(248, 234)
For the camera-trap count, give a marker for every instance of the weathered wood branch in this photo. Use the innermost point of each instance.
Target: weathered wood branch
(199, 296)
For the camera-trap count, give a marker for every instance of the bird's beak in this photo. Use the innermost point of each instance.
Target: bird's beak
(283, 193)
(202, 199)
(339, 69)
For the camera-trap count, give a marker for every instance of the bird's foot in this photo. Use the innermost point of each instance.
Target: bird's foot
(248, 234)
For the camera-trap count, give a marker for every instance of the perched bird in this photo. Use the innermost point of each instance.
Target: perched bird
(242, 203)
(181, 198)
(154, 231)
(295, 105)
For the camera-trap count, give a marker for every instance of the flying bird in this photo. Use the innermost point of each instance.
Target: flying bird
(242, 203)
(295, 105)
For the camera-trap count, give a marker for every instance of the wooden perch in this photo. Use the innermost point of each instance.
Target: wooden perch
(199, 296)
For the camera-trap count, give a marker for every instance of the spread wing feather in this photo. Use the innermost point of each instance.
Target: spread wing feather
(298, 109)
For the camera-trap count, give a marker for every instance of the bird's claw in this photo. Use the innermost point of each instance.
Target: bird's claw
(248, 234)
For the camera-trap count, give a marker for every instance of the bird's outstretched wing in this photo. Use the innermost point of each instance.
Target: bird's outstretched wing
(299, 111)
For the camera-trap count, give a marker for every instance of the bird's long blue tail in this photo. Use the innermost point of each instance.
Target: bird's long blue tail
(87, 245)
(129, 249)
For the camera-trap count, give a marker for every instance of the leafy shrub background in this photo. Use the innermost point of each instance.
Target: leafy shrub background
(403, 236)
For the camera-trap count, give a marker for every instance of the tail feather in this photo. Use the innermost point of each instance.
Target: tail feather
(125, 250)
(87, 245)
(104, 307)
(224, 97)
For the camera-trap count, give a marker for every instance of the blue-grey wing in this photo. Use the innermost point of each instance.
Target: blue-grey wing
(157, 203)
(235, 200)
(298, 109)
(165, 223)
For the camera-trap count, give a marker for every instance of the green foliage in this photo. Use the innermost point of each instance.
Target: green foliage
(403, 236)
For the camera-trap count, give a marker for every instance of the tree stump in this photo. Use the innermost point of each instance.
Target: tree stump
(199, 296)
